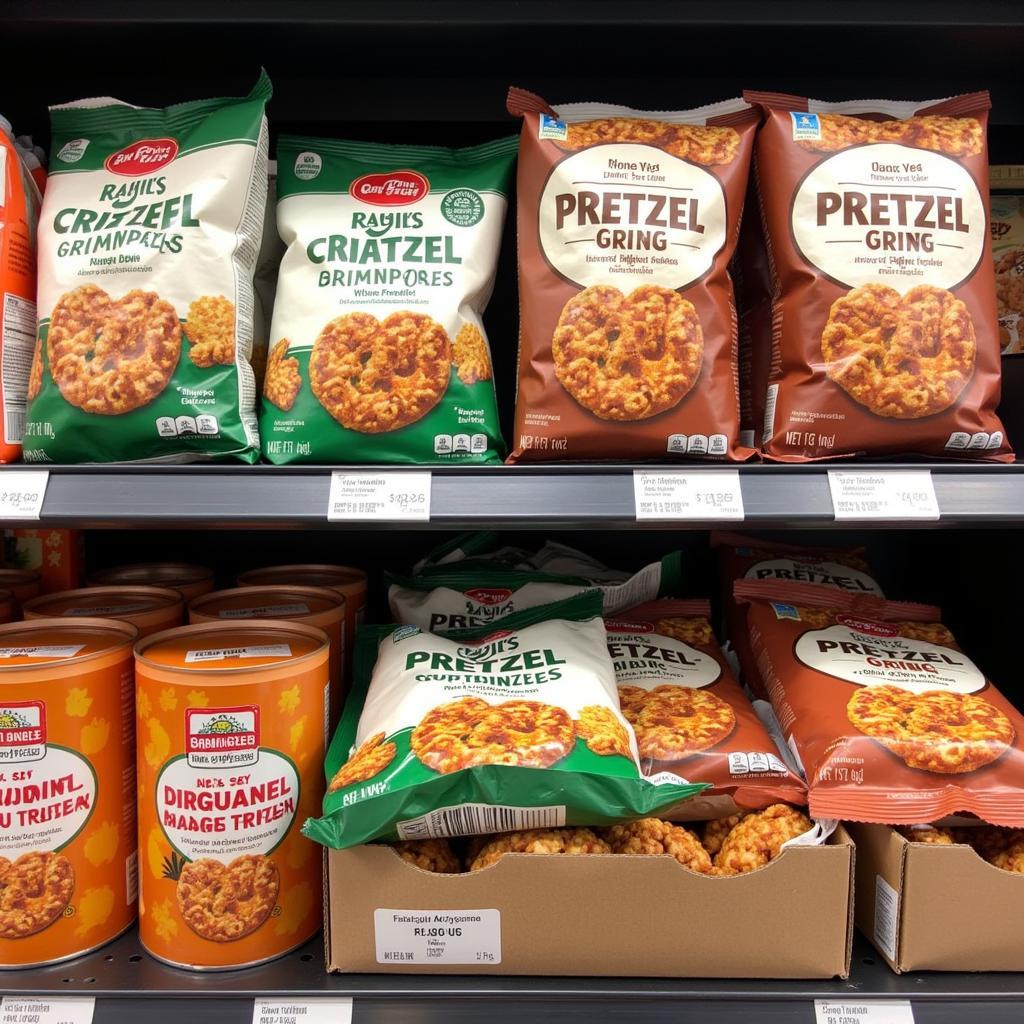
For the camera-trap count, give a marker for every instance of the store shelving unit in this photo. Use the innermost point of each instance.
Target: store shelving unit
(437, 72)
(502, 497)
(129, 986)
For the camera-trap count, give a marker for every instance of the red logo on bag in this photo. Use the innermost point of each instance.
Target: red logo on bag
(628, 627)
(491, 637)
(489, 595)
(869, 626)
(396, 188)
(142, 157)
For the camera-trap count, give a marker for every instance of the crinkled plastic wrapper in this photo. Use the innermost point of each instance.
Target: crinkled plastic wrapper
(512, 726)
(891, 720)
(884, 332)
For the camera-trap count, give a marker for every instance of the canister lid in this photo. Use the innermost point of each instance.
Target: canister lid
(230, 646)
(39, 643)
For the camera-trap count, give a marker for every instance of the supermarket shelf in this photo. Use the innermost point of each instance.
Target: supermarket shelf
(129, 986)
(566, 497)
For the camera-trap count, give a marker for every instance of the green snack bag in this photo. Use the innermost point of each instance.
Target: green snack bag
(377, 350)
(474, 592)
(513, 726)
(148, 240)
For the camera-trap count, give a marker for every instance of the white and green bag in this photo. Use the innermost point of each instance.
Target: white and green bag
(377, 349)
(476, 591)
(148, 238)
(512, 726)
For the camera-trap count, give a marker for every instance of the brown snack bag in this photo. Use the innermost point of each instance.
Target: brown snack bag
(884, 340)
(752, 279)
(627, 222)
(690, 716)
(749, 558)
(892, 721)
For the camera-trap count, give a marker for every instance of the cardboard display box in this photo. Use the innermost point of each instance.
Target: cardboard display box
(593, 915)
(936, 908)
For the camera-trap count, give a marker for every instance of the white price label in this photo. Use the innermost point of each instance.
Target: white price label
(881, 494)
(302, 1011)
(863, 1011)
(365, 497)
(438, 936)
(703, 494)
(58, 1010)
(22, 492)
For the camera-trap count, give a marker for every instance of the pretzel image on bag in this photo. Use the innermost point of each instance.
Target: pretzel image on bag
(690, 716)
(885, 338)
(627, 222)
(892, 722)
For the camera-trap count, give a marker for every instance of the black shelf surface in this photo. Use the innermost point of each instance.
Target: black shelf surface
(510, 497)
(129, 986)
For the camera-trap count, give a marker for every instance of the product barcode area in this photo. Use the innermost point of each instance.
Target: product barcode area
(478, 819)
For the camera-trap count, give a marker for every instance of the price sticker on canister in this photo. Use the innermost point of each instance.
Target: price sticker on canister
(360, 497)
(668, 494)
(883, 494)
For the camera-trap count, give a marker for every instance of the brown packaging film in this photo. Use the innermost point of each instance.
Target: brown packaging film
(748, 558)
(690, 716)
(885, 339)
(891, 720)
(627, 222)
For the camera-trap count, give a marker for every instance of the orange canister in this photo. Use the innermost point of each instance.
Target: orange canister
(230, 754)
(68, 840)
(315, 606)
(148, 609)
(189, 580)
(24, 584)
(346, 580)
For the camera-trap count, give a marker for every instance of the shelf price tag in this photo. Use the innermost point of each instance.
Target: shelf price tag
(22, 492)
(302, 1011)
(883, 494)
(44, 1010)
(666, 494)
(387, 497)
(863, 1011)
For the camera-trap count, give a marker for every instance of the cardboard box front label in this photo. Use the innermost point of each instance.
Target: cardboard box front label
(887, 915)
(438, 936)
(870, 1011)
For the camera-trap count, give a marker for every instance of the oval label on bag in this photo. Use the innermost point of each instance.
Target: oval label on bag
(489, 595)
(395, 188)
(142, 157)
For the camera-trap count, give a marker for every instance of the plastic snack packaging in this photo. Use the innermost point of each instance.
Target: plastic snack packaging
(884, 332)
(485, 730)
(147, 243)
(627, 222)
(377, 348)
(19, 217)
(890, 719)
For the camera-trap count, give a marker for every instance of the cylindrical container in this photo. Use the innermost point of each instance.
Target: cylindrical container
(345, 579)
(8, 607)
(230, 753)
(148, 609)
(24, 584)
(315, 606)
(68, 840)
(189, 580)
